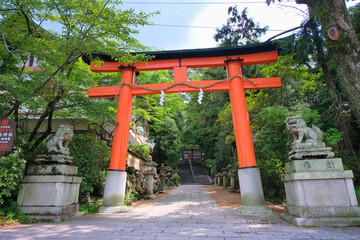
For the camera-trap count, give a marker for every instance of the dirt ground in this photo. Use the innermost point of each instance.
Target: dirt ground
(223, 197)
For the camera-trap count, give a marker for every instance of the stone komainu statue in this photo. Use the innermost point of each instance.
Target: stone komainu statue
(304, 136)
(307, 141)
(60, 141)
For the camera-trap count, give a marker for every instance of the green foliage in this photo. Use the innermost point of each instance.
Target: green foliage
(90, 207)
(332, 137)
(167, 144)
(176, 178)
(58, 87)
(354, 17)
(141, 149)
(351, 163)
(239, 29)
(357, 192)
(132, 196)
(12, 214)
(92, 158)
(146, 110)
(12, 169)
(133, 193)
(271, 150)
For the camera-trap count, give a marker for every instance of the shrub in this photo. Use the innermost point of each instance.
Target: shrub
(176, 178)
(92, 158)
(90, 207)
(141, 149)
(357, 192)
(351, 163)
(12, 169)
(12, 214)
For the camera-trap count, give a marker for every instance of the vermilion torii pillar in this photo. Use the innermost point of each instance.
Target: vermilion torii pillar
(179, 61)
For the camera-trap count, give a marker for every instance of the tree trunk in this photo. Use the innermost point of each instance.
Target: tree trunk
(330, 82)
(344, 51)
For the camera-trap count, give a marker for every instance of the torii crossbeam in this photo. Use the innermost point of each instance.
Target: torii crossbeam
(179, 61)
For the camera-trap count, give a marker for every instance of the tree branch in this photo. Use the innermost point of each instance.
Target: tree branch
(13, 109)
(46, 133)
(49, 110)
(9, 9)
(290, 30)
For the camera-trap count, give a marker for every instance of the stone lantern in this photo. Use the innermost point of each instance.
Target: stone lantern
(218, 179)
(224, 175)
(149, 174)
(232, 180)
(162, 176)
(215, 179)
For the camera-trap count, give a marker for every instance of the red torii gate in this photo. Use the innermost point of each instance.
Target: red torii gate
(179, 61)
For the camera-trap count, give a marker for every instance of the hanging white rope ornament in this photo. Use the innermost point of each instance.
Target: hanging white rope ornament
(201, 93)
(162, 96)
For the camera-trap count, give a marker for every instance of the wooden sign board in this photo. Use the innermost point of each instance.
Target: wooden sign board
(7, 134)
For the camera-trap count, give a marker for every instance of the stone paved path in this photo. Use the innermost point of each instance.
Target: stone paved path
(188, 213)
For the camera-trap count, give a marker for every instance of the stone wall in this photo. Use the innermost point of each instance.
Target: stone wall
(136, 162)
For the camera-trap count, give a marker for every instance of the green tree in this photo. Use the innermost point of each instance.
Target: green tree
(342, 46)
(86, 26)
(91, 156)
(168, 145)
(201, 125)
(239, 29)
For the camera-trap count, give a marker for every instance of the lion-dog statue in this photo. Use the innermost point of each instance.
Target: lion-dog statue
(304, 136)
(60, 141)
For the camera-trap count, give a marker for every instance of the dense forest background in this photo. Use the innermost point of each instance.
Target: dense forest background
(319, 71)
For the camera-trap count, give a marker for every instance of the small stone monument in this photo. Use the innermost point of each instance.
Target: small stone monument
(50, 189)
(224, 177)
(162, 176)
(219, 177)
(319, 191)
(150, 173)
(232, 180)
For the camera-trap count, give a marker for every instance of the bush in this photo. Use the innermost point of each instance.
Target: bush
(12, 214)
(357, 192)
(141, 149)
(12, 170)
(92, 158)
(176, 178)
(90, 207)
(351, 163)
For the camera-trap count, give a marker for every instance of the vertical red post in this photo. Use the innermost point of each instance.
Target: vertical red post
(122, 127)
(243, 137)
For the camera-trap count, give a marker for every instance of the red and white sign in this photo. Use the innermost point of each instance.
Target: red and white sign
(7, 134)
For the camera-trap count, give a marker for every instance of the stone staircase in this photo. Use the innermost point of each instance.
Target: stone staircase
(193, 174)
(200, 174)
(184, 171)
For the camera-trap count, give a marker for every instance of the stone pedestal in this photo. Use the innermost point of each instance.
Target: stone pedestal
(320, 192)
(219, 180)
(224, 175)
(162, 176)
(114, 192)
(252, 195)
(232, 183)
(50, 189)
(150, 174)
(149, 185)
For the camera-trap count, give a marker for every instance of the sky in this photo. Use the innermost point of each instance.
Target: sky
(193, 24)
